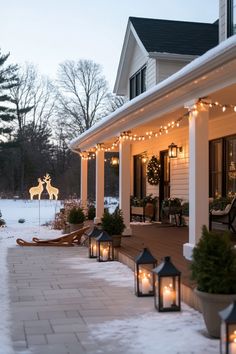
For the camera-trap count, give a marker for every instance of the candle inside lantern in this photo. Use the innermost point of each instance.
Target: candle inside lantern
(146, 285)
(168, 296)
(105, 254)
(232, 345)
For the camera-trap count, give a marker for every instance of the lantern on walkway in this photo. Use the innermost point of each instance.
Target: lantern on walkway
(92, 247)
(228, 329)
(104, 245)
(143, 276)
(167, 286)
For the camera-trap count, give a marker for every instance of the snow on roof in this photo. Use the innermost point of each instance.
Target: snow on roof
(212, 59)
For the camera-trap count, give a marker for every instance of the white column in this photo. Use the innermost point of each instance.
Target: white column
(99, 186)
(124, 183)
(84, 182)
(198, 176)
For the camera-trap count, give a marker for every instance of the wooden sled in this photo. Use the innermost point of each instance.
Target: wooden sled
(65, 240)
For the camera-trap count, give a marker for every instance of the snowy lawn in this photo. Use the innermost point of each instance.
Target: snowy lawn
(164, 333)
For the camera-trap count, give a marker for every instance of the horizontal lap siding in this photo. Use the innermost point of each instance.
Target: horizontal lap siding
(179, 168)
(167, 68)
(151, 73)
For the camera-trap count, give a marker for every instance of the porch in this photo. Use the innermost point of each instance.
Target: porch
(162, 240)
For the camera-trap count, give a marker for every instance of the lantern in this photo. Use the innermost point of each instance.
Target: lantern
(115, 161)
(144, 278)
(105, 251)
(228, 329)
(93, 242)
(172, 150)
(167, 286)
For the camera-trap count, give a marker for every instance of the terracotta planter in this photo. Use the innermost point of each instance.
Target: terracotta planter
(211, 304)
(74, 227)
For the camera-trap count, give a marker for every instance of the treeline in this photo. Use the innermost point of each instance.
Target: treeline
(38, 118)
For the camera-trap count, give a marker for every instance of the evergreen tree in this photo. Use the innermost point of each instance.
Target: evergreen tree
(8, 79)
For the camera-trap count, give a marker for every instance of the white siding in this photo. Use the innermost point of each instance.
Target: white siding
(138, 60)
(222, 20)
(167, 68)
(222, 126)
(151, 73)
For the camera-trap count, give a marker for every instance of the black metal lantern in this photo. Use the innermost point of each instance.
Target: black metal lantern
(228, 329)
(143, 276)
(92, 248)
(172, 150)
(167, 286)
(105, 251)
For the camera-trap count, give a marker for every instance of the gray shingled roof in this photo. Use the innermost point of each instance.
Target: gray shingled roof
(179, 37)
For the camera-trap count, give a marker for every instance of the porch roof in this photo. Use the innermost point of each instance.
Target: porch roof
(207, 74)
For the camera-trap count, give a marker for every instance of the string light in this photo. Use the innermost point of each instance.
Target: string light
(127, 135)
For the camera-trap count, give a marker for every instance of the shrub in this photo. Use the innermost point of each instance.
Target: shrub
(214, 263)
(76, 216)
(91, 212)
(113, 223)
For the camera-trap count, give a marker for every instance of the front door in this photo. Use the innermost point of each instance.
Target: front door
(164, 185)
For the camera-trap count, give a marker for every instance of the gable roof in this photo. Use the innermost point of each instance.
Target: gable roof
(179, 37)
(155, 36)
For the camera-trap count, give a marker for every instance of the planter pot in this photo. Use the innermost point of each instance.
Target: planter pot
(116, 240)
(74, 227)
(211, 304)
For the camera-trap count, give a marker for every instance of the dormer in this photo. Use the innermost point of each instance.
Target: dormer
(154, 49)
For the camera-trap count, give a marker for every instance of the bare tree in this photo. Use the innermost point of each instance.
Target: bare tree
(83, 94)
(34, 102)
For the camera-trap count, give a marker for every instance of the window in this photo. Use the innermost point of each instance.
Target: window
(231, 17)
(137, 83)
(223, 167)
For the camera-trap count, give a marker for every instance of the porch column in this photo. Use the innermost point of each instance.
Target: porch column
(198, 175)
(124, 183)
(99, 186)
(84, 181)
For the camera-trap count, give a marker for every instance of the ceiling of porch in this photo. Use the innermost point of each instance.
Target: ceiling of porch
(224, 96)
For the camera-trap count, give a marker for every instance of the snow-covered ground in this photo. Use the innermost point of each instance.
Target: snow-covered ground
(167, 333)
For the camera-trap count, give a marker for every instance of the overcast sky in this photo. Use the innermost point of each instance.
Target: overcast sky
(47, 32)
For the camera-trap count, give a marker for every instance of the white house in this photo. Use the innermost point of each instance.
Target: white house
(186, 97)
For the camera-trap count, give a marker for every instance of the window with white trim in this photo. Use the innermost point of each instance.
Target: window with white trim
(137, 83)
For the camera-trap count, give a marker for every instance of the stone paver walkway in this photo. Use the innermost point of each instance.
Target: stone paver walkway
(53, 305)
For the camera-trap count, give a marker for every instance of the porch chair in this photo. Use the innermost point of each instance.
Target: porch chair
(226, 216)
(69, 239)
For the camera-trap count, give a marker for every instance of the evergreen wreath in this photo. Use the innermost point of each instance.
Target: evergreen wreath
(153, 171)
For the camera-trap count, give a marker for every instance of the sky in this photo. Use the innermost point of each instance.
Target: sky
(48, 32)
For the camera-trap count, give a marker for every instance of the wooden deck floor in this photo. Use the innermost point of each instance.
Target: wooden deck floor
(162, 240)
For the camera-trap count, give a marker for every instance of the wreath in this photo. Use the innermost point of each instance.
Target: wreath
(153, 171)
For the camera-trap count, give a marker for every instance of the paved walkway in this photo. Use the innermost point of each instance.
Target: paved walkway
(53, 304)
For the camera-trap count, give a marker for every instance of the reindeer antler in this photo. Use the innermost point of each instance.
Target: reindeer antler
(47, 176)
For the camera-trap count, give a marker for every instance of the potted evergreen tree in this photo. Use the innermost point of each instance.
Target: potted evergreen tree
(214, 270)
(76, 218)
(113, 224)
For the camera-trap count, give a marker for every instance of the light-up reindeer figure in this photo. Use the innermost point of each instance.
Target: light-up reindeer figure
(52, 191)
(37, 190)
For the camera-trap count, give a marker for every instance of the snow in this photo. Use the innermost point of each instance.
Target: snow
(165, 333)
(35, 214)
